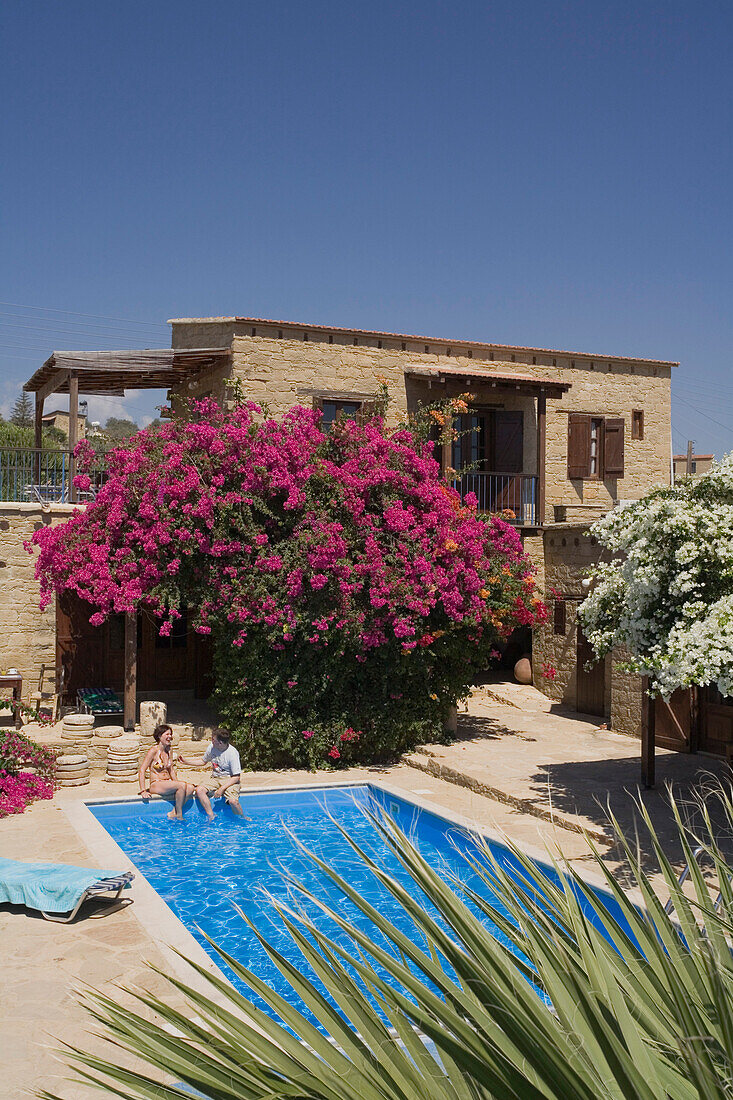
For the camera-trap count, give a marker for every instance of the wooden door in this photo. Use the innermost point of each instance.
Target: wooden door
(716, 721)
(203, 653)
(80, 647)
(673, 721)
(166, 659)
(590, 692)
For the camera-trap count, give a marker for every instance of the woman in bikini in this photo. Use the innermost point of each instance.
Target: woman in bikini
(161, 762)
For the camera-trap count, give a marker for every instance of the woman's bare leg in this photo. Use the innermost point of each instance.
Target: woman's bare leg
(171, 788)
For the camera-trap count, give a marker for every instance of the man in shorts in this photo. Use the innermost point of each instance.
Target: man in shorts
(225, 774)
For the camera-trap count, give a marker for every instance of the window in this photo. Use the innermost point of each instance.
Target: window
(637, 424)
(595, 446)
(490, 440)
(348, 410)
(559, 623)
(596, 443)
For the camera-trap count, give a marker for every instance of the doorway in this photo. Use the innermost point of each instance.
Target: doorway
(716, 721)
(590, 684)
(95, 656)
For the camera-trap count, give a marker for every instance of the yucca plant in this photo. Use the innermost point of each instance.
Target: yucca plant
(585, 1000)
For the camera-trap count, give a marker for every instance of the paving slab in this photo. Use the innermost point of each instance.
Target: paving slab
(46, 962)
(566, 768)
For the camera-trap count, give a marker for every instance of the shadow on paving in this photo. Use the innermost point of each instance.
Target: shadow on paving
(472, 726)
(589, 788)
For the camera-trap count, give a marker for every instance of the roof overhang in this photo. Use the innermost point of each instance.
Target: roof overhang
(113, 372)
(524, 383)
(455, 343)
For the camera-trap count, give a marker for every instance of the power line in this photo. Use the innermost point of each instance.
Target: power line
(50, 324)
(73, 313)
(726, 427)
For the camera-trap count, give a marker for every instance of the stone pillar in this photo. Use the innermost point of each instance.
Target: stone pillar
(152, 714)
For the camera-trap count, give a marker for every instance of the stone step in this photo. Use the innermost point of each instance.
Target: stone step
(423, 760)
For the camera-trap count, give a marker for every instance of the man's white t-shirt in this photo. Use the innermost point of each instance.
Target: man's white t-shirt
(224, 762)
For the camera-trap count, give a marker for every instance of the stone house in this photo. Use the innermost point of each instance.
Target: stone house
(699, 465)
(556, 438)
(59, 418)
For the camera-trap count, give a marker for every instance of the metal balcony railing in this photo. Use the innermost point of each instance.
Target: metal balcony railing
(29, 475)
(513, 495)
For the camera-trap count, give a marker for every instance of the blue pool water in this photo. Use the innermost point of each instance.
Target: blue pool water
(200, 869)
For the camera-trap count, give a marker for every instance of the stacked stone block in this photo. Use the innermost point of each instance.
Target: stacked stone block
(72, 770)
(123, 760)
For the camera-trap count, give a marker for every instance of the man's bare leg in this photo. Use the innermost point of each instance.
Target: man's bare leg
(203, 796)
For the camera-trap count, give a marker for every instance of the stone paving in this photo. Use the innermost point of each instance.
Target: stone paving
(43, 962)
(520, 749)
(515, 745)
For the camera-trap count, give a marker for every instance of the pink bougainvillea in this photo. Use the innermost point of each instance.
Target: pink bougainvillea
(26, 772)
(283, 538)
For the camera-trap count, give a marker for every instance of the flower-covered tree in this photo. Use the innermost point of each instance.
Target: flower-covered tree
(349, 591)
(666, 595)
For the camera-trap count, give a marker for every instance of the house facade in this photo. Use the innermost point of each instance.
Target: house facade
(554, 438)
(557, 438)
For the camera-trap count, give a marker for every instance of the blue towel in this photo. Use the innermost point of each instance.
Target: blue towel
(51, 887)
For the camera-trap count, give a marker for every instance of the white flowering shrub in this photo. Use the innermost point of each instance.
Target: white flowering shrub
(666, 594)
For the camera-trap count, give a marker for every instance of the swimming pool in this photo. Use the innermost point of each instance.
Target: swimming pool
(199, 869)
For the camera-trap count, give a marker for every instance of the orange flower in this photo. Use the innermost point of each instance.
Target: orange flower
(450, 544)
(484, 593)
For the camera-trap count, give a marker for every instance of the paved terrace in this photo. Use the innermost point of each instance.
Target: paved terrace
(530, 757)
(518, 747)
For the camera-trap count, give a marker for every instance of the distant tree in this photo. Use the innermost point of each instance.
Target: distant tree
(22, 411)
(15, 435)
(118, 429)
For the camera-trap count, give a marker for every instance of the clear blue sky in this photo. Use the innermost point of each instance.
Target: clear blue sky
(541, 173)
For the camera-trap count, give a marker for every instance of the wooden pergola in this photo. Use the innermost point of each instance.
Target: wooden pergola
(112, 374)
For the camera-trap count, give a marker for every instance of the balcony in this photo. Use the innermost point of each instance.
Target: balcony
(32, 476)
(515, 495)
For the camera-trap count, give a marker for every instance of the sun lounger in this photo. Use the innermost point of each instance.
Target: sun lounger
(56, 889)
(99, 701)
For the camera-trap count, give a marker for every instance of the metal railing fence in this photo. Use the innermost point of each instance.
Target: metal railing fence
(31, 475)
(513, 495)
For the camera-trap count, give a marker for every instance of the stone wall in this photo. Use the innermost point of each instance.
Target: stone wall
(27, 634)
(292, 365)
(568, 552)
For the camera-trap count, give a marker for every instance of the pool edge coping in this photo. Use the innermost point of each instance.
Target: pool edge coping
(152, 911)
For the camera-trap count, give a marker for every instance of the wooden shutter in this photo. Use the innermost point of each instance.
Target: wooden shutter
(508, 455)
(578, 445)
(613, 447)
(559, 618)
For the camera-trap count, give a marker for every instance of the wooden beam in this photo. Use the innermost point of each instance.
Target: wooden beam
(38, 439)
(541, 448)
(73, 429)
(130, 694)
(53, 385)
(648, 720)
(38, 423)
